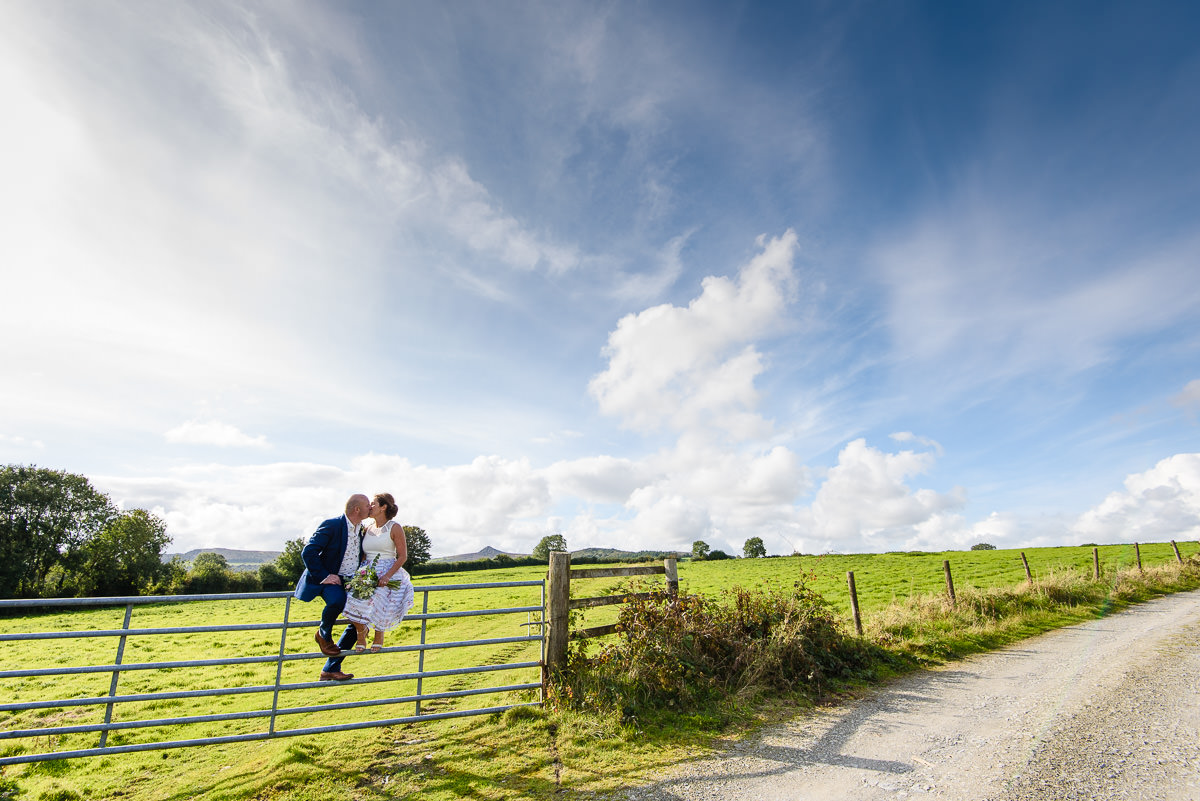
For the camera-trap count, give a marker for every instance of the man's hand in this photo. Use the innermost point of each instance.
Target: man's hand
(332, 578)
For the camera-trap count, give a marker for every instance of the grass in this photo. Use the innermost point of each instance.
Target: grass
(526, 752)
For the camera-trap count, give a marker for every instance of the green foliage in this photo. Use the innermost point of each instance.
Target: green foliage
(716, 556)
(43, 515)
(270, 578)
(211, 574)
(983, 546)
(210, 563)
(124, 558)
(290, 563)
(754, 548)
(692, 653)
(551, 542)
(418, 545)
(700, 550)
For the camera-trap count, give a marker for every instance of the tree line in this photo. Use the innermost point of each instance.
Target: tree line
(60, 537)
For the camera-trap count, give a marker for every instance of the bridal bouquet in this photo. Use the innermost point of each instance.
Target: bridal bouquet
(366, 581)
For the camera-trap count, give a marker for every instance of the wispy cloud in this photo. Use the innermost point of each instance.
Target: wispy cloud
(1189, 397)
(212, 432)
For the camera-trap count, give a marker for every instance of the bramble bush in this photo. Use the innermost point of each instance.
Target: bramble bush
(691, 653)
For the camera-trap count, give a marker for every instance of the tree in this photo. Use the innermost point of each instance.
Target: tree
(209, 574)
(550, 542)
(124, 558)
(983, 546)
(715, 556)
(700, 550)
(209, 562)
(290, 563)
(272, 578)
(44, 514)
(754, 548)
(418, 545)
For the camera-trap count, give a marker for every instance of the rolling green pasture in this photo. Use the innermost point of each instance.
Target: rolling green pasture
(512, 756)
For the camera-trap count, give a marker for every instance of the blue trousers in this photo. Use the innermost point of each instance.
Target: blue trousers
(335, 602)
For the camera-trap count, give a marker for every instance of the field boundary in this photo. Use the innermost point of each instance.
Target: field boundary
(276, 711)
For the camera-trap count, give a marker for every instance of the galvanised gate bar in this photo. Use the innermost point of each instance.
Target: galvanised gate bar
(276, 691)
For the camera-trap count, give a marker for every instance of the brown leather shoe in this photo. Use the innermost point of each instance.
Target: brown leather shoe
(335, 675)
(326, 645)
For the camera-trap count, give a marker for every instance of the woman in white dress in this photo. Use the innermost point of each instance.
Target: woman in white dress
(387, 606)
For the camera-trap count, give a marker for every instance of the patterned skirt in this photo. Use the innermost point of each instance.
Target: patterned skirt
(386, 607)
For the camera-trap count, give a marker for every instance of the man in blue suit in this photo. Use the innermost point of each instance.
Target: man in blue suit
(331, 556)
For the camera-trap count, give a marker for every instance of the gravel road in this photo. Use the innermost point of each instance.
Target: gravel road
(1104, 710)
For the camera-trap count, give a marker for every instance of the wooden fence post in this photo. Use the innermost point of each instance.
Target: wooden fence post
(1138, 552)
(949, 583)
(558, 598)
(672, 576)
(1096, 564)
(1028, 574)
(1178, 558)
(854, 602)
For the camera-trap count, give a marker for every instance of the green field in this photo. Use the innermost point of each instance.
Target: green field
(497, 757)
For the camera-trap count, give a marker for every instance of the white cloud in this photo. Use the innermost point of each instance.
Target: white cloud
(1160, 504)
(865, 504)
(1189, 398)
(695, 367)
(212, 432)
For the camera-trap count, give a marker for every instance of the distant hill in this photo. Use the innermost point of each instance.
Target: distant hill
(487, 553)
(232, 556)
(591, 554)
(615, 555)
(252, 559)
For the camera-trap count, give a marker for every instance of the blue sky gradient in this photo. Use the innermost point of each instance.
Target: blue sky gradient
(853, 276)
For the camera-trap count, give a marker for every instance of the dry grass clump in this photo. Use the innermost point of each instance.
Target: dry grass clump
(929, 628)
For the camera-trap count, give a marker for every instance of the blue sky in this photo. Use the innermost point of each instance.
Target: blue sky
(847, 277)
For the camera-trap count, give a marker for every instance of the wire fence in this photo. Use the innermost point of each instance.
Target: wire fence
(47, 728)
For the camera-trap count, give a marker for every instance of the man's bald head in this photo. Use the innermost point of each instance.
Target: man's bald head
(357, 508)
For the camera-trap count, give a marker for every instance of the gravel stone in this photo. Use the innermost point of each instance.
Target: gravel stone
(1108, 709)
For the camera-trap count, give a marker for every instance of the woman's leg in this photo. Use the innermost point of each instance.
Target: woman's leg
(361, 631)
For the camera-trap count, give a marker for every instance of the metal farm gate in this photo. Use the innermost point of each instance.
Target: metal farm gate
(65, 717)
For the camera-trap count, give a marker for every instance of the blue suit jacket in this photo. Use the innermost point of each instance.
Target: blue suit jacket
(322, 556)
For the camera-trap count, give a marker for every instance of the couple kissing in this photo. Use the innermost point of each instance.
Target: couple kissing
(355, 563)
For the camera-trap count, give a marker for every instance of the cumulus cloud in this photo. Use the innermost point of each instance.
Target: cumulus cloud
(695, 366)
(212, 432)
(865, 504)
(489, 501)
(1160, 504)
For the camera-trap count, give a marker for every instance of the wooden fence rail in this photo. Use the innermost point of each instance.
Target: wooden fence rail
(559, 602)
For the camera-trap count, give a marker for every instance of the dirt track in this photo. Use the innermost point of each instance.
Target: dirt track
(1103, 710)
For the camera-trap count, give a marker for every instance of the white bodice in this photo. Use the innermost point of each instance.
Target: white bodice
(378, 542)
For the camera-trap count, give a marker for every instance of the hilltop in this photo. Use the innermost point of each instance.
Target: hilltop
(232, 556)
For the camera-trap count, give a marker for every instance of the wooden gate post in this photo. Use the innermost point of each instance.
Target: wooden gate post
(1096, 564)
(1138, 552)
(1028, 574)
(1178, 558)
(558, 598)
(949, 583)
(672, 576)
(854, 602)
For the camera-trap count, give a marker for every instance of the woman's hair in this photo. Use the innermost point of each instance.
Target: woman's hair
(388, 503)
